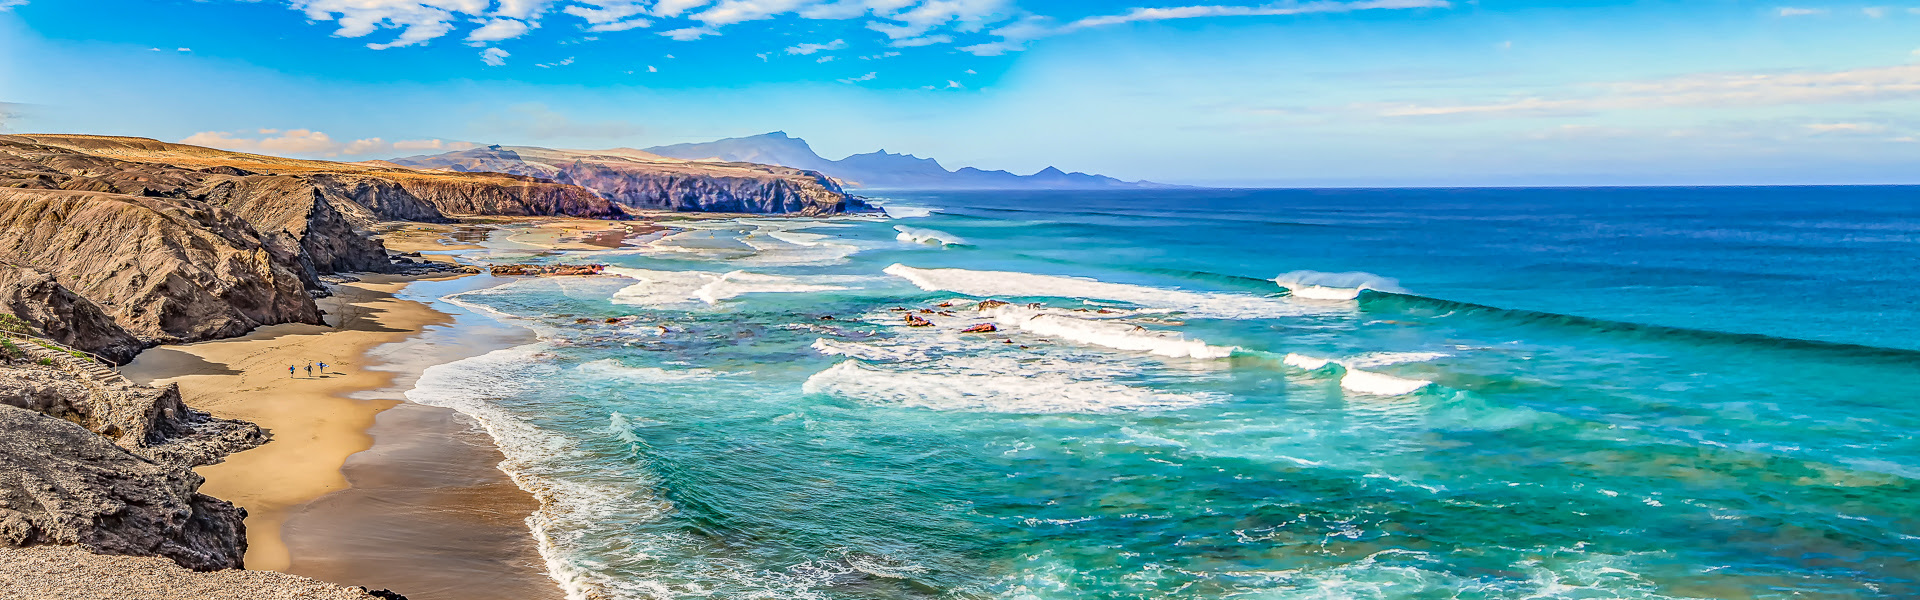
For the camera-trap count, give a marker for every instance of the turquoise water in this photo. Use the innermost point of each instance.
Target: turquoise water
(1673, 393)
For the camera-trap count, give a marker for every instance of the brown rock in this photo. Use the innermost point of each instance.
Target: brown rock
(916, 321)
(986, 304)
(167, 269)
(981, 328)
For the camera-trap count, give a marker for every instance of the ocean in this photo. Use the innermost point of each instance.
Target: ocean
(1513, 393)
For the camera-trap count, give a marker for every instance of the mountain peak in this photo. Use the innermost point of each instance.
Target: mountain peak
(1050, 172)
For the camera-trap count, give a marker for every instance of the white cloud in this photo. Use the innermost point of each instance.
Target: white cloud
(306, 142)
(951, 84)
(880, 56)
(928, 40)
(866, 77)
(905, 23)
(182, 49)
(688, 34)
(550, 65)
(494, 57)
(1711, 90)
(7, 5)
(826, 59)
(1791, 11)
(498, 29)
(805, 49)
(1874, 12)
(651, 69)
(1846, 127)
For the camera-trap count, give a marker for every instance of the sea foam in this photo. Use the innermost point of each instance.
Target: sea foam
(1016, 284)
(990, 391)
(668, 288)
(1355, 379)
(933, 237)
(1111, 334)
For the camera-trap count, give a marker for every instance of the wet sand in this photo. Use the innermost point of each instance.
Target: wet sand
(419, 507)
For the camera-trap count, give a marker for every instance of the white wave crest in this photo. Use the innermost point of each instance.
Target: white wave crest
(1014, 284)
(668, 288)
(1379, 384)
(1354, 379)
(906, 212)
(1315, 285)
(990, 391)
(867, 351)
(916, 235)
(1306, 363)
(612, 369)
(1382, 359)
(1111, 334)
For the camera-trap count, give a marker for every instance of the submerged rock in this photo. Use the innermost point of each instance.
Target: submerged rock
(981, 328)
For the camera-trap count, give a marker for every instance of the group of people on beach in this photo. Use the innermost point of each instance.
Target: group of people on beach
(310, 365)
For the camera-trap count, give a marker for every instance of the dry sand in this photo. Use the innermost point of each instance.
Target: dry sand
(318, 421)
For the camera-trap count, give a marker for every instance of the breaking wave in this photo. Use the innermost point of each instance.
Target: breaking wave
(960, 388)
(1315, 285)
(1028, 285)
(932, 237)
(669, 288)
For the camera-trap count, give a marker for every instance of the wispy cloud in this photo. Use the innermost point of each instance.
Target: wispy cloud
(1793, 11)
(1702, 90)
(7, 5)
(494, 57)
(866, 77)
(805, 49)
(306, 142)
(1015, 36)
(903, 23)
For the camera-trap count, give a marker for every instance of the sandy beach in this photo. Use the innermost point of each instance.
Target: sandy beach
(404, 499)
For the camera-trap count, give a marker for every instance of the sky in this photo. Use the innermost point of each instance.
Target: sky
(1290, 94)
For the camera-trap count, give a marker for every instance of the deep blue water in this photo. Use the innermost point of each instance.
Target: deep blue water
(1605, 393)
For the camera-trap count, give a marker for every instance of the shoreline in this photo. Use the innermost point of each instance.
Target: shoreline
(358, 486)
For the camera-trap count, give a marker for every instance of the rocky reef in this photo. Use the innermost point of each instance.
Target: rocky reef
(641, 180)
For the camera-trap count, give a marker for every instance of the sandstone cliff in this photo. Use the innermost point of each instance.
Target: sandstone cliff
(167, 269)
(646, 181)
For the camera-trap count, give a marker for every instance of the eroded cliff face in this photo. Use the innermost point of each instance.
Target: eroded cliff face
(646, 181)
(780, 191)
(168, 270)
(508, 195)
(88, 458)
(58, 313)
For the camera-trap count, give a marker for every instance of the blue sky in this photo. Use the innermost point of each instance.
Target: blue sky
(1337, 92)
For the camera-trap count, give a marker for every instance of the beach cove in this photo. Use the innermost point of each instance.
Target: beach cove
(358, 486)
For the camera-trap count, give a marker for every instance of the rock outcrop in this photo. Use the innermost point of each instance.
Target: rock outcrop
(91, 459)
(62, 484)
(641, 180)
(167, 269)
(53, 311)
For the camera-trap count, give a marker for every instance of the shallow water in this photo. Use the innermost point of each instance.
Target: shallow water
(1355, 394)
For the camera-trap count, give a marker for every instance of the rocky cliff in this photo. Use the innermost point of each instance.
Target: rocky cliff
(51, 310)
(90, 459)
(646, 181)
(167, 269)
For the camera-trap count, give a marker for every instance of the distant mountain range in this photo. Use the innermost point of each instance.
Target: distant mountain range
(884, 169)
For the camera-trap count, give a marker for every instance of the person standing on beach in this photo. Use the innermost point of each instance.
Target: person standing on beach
(289, 370)
(309, 369)
(323, 368)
